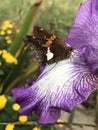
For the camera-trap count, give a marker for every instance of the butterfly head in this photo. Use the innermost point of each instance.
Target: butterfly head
(48, 48)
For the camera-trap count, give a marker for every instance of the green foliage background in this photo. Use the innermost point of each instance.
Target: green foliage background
(59, 14)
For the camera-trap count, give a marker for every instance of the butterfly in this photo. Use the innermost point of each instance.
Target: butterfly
(47, 46)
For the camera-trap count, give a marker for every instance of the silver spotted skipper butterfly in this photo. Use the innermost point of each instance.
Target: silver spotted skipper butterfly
(47, 46)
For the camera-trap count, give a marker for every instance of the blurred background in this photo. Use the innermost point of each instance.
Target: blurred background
(57, 15)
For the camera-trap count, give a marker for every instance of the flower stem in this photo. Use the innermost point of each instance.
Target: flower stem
(71, 117)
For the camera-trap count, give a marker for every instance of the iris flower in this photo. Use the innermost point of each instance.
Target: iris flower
(63, 85)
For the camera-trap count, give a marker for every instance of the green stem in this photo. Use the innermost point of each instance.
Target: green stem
(14, 73)
(29, 20)
(33, 67)
(71, 117)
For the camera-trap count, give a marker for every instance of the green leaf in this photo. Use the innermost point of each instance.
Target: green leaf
(1, 72)
(23, 76)
(2, 127)
(18, 43)
(13, 74)
(29, 19)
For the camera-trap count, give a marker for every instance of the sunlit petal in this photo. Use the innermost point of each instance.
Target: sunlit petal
(83, 36)
(61, 85)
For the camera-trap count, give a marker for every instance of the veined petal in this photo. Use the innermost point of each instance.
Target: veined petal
(85, 28)
(83, 36)
(87, 13)
(61, 85)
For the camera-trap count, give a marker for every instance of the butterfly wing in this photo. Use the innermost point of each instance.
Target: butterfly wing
(35, 44)
(41, 33)
(45, 42)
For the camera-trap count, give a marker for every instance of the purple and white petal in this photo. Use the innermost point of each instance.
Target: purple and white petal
(61, 86)
(85, 29)
(83, 36)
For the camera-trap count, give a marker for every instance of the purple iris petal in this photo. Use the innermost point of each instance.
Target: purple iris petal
(83, 36)
(61, 85)
(41, 67)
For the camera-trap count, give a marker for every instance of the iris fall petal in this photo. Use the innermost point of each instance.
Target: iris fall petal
(61, 86)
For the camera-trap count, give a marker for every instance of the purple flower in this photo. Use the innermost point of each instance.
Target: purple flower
(65, 84)
(42, 67)
(83, 35)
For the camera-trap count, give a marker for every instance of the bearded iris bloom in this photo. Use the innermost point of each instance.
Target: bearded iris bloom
(83, 35)
(63, 85)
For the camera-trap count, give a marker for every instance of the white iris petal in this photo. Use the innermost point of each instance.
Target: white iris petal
(69, 80)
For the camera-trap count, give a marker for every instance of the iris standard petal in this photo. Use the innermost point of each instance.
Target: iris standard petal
(85, 29)
(61, 85)
(83, 36)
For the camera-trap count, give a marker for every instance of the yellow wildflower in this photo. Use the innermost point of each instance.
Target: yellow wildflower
(7, 26)
(3, 101)
(10, 25)
(2, 32)
(16, 107)
(59, 120)
(9, 41)
(7, 37)
(23, 119)
(36, 128)
(3, 28)
(4, 51)
(6, 22)
(17, 31)
(10, 127)
(8, 57)
(9, 31)
(5, 54)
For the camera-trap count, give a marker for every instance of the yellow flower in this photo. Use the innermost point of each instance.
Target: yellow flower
(9, 31)
(17, 31)
(7, 37)
(9, 58)
(23, 119)
(10, 127)
(36, 128)
(7, 26)
(5, 54)
(4, 51)
(2, 32)
(3, 28)
(59, 120)
(3, 101)
(6, 22)
(16, 107)
(10, 25)
(9, 41)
